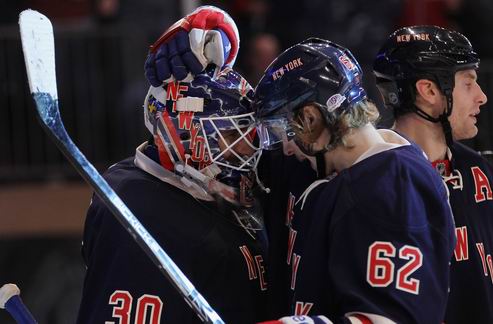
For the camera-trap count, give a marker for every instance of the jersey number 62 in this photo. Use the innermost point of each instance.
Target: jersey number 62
(381, 268)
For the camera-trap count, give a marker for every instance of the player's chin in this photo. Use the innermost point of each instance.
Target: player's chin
(467, 133)
(473, 131)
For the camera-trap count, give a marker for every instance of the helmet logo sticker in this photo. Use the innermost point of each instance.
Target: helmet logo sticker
(294, 64)
(346, 61)
(393, 98)
(152, 105)
(335, 101)
(413, 37)
(174, 91)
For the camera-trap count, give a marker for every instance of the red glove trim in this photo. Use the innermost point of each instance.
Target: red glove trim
(204, 19)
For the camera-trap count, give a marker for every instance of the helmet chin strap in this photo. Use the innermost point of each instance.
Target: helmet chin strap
(319, 157)
(320, 161)
(447, 129)
(442, 119)
(261, 184)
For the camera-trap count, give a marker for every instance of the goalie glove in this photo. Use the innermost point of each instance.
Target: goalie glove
(206, 36)
(300, 319)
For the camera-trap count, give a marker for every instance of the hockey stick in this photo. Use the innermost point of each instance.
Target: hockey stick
(39, 53)
(10, 300)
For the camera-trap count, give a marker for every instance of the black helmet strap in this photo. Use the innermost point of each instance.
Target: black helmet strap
(447, 128)
(445, 82)
(320, 161)
(442, 119)
(426, 116)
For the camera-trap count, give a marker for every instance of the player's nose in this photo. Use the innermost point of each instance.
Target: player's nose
(482, 98)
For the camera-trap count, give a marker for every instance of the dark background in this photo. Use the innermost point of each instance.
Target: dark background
(101, 46)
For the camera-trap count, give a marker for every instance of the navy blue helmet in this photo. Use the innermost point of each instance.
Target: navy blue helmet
(315, 71)
(202, 124)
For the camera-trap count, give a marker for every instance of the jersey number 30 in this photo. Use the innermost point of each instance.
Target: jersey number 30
(148, 306)
(381, 269)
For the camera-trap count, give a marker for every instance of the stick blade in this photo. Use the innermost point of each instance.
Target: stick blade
(38, 46)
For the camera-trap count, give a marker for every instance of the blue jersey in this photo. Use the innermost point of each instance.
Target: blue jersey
(471, 198)
(222, 260)
(375, 239)
(287, 178)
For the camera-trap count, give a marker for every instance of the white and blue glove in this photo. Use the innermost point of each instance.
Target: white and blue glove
(206, 36)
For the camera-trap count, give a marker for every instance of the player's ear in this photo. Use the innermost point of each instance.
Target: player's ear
(427, 91)
(311, 123)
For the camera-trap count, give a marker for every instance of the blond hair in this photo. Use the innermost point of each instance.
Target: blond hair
(362, 113)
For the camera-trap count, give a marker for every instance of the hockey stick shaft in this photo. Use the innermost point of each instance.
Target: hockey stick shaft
(52, 123)
(49, 116)
(12, 302)
(19, 311)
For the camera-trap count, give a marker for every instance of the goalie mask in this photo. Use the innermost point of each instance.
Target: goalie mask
(315, 71)
(205, 130)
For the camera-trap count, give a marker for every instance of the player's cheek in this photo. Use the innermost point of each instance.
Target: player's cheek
(244, 148)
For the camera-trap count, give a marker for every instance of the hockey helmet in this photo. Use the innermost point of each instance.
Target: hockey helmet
(421, 52)
(202, 123)
(315, 71)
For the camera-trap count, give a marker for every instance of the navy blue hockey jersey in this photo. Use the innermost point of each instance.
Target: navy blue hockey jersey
(220, 258)
(287, 178)
(377, 239)
(471, 198)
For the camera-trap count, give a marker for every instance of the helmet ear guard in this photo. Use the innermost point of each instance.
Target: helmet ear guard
(389, 92)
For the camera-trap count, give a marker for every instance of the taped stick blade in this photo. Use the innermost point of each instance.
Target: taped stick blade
(39, 52)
